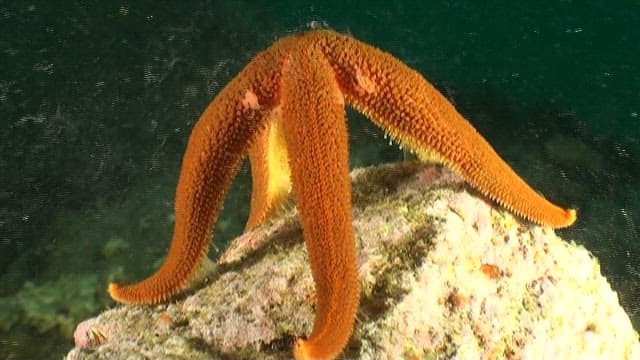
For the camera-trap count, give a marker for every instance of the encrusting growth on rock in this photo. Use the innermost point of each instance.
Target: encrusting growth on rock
(286, 111)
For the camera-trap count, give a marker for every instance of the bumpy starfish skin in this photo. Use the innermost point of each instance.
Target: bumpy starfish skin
(217, 144)
(314, 121)
(286, 111)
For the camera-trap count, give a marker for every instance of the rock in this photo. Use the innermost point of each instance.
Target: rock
(445, 273)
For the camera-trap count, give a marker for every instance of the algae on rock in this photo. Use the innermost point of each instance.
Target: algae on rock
(52, 305)
(444, 274)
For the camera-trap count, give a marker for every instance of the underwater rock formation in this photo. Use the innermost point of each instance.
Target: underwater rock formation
(444, 274)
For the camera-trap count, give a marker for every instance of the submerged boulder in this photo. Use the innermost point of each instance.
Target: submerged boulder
(445, 273)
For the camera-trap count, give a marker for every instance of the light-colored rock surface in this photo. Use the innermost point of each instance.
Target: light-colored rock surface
(445, 274)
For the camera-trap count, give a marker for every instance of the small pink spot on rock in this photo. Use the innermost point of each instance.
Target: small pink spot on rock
(89, 334)
(164, 323)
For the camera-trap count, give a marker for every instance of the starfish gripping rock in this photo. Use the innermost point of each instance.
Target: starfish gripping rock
(285, 110)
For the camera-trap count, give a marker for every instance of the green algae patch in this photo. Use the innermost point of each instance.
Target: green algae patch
(52, 306)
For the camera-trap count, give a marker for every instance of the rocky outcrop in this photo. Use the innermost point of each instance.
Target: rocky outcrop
(444, 272)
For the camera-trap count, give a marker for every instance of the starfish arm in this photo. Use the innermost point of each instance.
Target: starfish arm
(215, 149)
(414, 113)
(315, 131)
(270, 174)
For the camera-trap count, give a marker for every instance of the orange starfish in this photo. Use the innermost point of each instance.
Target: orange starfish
(285, 110)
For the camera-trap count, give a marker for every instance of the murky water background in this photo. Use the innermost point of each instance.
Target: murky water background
(97, 100)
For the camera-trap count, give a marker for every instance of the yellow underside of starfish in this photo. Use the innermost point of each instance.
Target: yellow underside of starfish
(285, 111)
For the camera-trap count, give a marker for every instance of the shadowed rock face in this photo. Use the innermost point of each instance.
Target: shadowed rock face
(443, 272)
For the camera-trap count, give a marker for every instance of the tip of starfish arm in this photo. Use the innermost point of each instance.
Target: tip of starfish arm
(571, 215)
(128, 294)
(300, 350)
(114, 291)
(563, 219)
(124, 294)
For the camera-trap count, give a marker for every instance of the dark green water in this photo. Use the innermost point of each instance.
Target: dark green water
(97, 100)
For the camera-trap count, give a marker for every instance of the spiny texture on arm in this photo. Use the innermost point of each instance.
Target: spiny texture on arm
(314, 122)
(414, 113)
(216, 146)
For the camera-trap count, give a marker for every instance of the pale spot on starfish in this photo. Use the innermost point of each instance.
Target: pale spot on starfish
(250, 100)
(364, 84)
